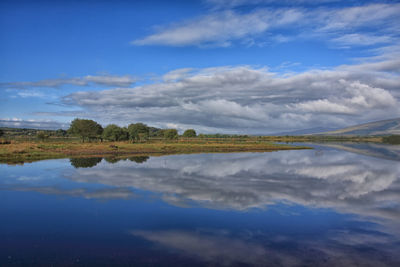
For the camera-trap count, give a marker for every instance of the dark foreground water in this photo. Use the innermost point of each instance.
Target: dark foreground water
(321, 207)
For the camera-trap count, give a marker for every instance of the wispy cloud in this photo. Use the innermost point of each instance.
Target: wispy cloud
(104, 80)
(34, 124)
(219, 29)
(348, 25)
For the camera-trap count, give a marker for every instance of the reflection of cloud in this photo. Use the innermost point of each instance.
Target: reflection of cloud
(259, 249)
(339, 180)
(214, 248)
(108, 193)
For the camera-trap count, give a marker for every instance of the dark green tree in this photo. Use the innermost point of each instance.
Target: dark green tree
(115, 133)
(189, 133)
(1, 132)
(61, 132)
(138, 131)
(170, 134)
(86, 129)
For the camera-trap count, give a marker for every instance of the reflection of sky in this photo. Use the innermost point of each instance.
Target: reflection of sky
(280, 208)
(335, 179)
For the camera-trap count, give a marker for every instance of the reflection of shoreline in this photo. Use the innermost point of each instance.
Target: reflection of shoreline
(382, 151)
(89, 162)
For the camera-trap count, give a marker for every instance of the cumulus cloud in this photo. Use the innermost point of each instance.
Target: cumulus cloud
(346, 26)
(34, 124)
(104, 80)
(245, 99)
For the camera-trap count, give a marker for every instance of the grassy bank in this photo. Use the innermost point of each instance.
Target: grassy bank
(19, 152)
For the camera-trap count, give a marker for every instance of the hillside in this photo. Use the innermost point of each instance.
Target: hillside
(384, 127)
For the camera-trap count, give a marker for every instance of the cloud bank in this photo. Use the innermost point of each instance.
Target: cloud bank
(247, 99)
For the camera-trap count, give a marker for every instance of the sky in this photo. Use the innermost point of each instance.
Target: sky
(217, 66)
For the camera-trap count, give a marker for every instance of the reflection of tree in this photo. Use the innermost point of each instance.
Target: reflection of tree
(112, 160)
(139, 159)
(84, 162)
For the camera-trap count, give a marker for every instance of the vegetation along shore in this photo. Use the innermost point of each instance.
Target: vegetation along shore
(87, 138)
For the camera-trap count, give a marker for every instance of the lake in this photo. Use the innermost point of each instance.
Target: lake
(335, 205)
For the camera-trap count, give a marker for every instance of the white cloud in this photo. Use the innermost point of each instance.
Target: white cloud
(30, 123)
(346, 26)
(214, 29)
(104, 80)
(26, 94)
(361, 39)
(177, 74)
(245, 99)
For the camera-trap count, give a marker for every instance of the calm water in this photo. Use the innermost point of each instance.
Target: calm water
(331, 206)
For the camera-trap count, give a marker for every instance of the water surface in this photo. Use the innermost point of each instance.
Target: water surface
(321, 207)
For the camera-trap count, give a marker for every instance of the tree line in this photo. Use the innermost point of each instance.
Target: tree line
(89, 130)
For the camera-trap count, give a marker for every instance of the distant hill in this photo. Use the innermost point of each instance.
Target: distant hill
(385, 127)
(303, 131)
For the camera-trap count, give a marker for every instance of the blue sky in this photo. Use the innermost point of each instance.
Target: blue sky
(244, 66)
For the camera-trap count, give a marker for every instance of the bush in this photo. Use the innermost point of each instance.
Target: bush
(189, 133)
(86, 129)
(170, 134)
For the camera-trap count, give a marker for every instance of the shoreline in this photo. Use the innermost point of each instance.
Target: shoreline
(21, 152)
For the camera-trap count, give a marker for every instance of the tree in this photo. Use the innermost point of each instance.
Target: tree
(61, 132)
(115, 133)
(170, 134)
(138, 131)
(42, 135)
(189, 133)
(1, 132)
(85, 129)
